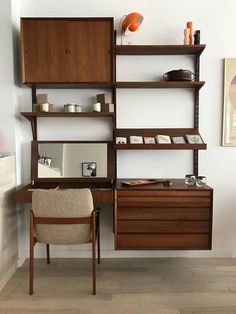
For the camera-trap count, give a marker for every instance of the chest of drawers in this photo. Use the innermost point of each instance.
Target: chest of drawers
(157, 217)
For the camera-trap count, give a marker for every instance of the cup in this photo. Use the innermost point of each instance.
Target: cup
(97, 107)
(44, 107)
(78, 108)
(71, 107)
(201, 181)
(190, 179)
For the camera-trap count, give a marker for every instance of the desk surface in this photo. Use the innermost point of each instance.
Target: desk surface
(105, 194)
(100, 195)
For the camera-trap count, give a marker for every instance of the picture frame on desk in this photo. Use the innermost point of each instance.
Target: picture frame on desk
(89, 169)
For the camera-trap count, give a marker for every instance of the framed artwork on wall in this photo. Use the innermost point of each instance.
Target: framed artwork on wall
(229, 103)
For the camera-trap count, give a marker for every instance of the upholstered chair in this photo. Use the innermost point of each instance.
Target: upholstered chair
(63, 217)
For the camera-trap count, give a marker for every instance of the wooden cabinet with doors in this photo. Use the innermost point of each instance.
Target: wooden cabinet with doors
(67, 50)
(69, 53)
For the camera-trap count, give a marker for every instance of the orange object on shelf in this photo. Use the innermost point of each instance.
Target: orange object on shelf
(131, 22)
(190, 27)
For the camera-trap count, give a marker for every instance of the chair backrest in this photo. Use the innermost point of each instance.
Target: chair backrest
(71, 203)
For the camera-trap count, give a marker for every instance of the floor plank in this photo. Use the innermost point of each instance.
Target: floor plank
(140, 286)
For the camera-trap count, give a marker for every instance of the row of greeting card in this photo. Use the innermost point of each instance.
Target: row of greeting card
(161, 139)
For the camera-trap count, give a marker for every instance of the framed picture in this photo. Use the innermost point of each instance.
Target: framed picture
(194, 139)
(229, 104)
(89, 169)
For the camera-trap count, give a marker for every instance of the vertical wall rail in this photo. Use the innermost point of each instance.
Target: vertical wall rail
(195, 162)
(114, 94)
(34, 100)
(114, 101)
(196, 111)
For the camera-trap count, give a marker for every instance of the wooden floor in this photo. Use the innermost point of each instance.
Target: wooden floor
(140, 286)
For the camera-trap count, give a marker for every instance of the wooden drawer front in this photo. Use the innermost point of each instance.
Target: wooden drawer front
(169, 193)
(158, 198)
(161, 201)
(155, 226)
(172, 213)
(163, 241)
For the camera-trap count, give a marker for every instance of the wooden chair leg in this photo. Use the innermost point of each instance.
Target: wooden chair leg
(98, 247)
(31, 259)
(48, 253)
(98, 236)
(94, 250)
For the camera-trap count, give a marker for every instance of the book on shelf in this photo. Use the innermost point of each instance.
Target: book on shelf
(136, 139)
(194, 139)
(178, 140)
(149, 140)
(121, 140)
(163, 139)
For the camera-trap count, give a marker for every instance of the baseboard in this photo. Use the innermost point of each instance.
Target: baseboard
(22, 258)
(8, 275)
(78, 252)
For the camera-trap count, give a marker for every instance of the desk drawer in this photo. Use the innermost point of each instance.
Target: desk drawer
(157, 226)
(163, 219)
(158, 198)
(168, 213)
(163, 241)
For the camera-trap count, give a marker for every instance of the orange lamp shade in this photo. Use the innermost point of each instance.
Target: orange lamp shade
(131, 23)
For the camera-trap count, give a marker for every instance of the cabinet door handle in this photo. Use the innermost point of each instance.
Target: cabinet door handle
(67, 51)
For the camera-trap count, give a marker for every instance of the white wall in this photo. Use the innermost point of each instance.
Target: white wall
(164, 22)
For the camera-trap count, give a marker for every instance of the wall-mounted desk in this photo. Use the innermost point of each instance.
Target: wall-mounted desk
(100, 195)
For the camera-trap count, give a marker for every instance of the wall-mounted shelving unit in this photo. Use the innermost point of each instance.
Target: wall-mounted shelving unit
(159, 217)
(81, 54)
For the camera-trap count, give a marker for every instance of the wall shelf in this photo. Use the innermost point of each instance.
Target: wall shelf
(161, 84)
(152, 133)
(159, 49)
(160, 146)
(32, 117)
(72, 85)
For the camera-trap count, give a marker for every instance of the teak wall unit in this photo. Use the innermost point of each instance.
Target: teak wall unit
(80, 53)
(66, 50)
(185, 50)
(165, 218)
(68, 53)
(159, 217)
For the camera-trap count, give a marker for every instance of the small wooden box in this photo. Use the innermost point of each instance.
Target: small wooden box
(104, 98)
(107, 107)
(42, 98)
